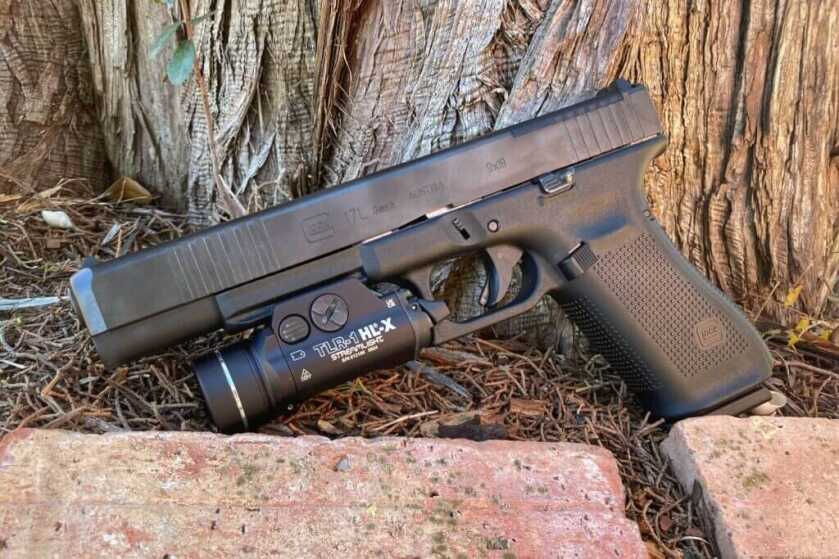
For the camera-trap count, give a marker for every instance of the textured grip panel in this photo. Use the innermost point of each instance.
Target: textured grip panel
(675, 338)
(671, 310)
(607, 340)
(665, 330)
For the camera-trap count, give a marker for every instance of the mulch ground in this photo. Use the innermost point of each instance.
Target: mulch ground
(50, 376)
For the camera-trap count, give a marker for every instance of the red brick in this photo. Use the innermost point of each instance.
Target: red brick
(204, 495)
(770, 484)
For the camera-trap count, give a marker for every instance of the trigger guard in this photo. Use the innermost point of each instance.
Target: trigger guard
(537, 281)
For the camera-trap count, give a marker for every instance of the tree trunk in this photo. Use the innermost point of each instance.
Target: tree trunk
(749, 187)
(139, 113)
(257, 57)
(747, 91)
(48, 128)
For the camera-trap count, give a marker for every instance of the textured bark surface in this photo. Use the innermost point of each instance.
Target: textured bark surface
(422, 77)
(259, 65)
(258, 59)
(749, 186)
(48, 128)
(139, 113)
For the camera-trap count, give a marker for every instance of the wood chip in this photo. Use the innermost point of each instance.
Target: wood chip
(474, 426)
(531, 408)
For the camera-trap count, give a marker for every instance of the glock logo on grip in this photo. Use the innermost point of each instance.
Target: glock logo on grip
(317, 228)
(709, 333)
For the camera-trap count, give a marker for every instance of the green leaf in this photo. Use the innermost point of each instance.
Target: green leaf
(180, 66)
(167, 33)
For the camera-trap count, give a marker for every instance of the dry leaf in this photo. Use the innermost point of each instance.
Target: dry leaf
(665, 522)
(57, 218)
(436, 377)
(44, 194)
(328, 428)
(802, 325)
(6, 198)
(32, 204)
(792, 296)
(796, 333)
(641, 498)
(126, 189)
(473, 425)
(451, 357)
(29, 205)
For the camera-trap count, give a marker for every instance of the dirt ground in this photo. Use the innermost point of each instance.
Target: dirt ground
(50, 376)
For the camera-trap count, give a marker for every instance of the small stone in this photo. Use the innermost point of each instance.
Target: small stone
(343, 464)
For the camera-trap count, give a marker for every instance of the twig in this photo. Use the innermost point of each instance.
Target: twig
(811, 368)
(403, 419)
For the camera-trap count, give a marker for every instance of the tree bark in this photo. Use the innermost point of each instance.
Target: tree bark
(139, 114)
(48, 128)
(257, 57)
(749, 186)
(747, 91)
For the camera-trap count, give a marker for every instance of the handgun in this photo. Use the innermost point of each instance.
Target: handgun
(338, 283)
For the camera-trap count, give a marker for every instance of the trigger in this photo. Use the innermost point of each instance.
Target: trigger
(420, 280)
(502, 260)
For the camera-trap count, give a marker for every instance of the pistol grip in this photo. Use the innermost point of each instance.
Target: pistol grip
(675, 339)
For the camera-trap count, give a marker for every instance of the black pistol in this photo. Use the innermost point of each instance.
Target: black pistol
(561, 196)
